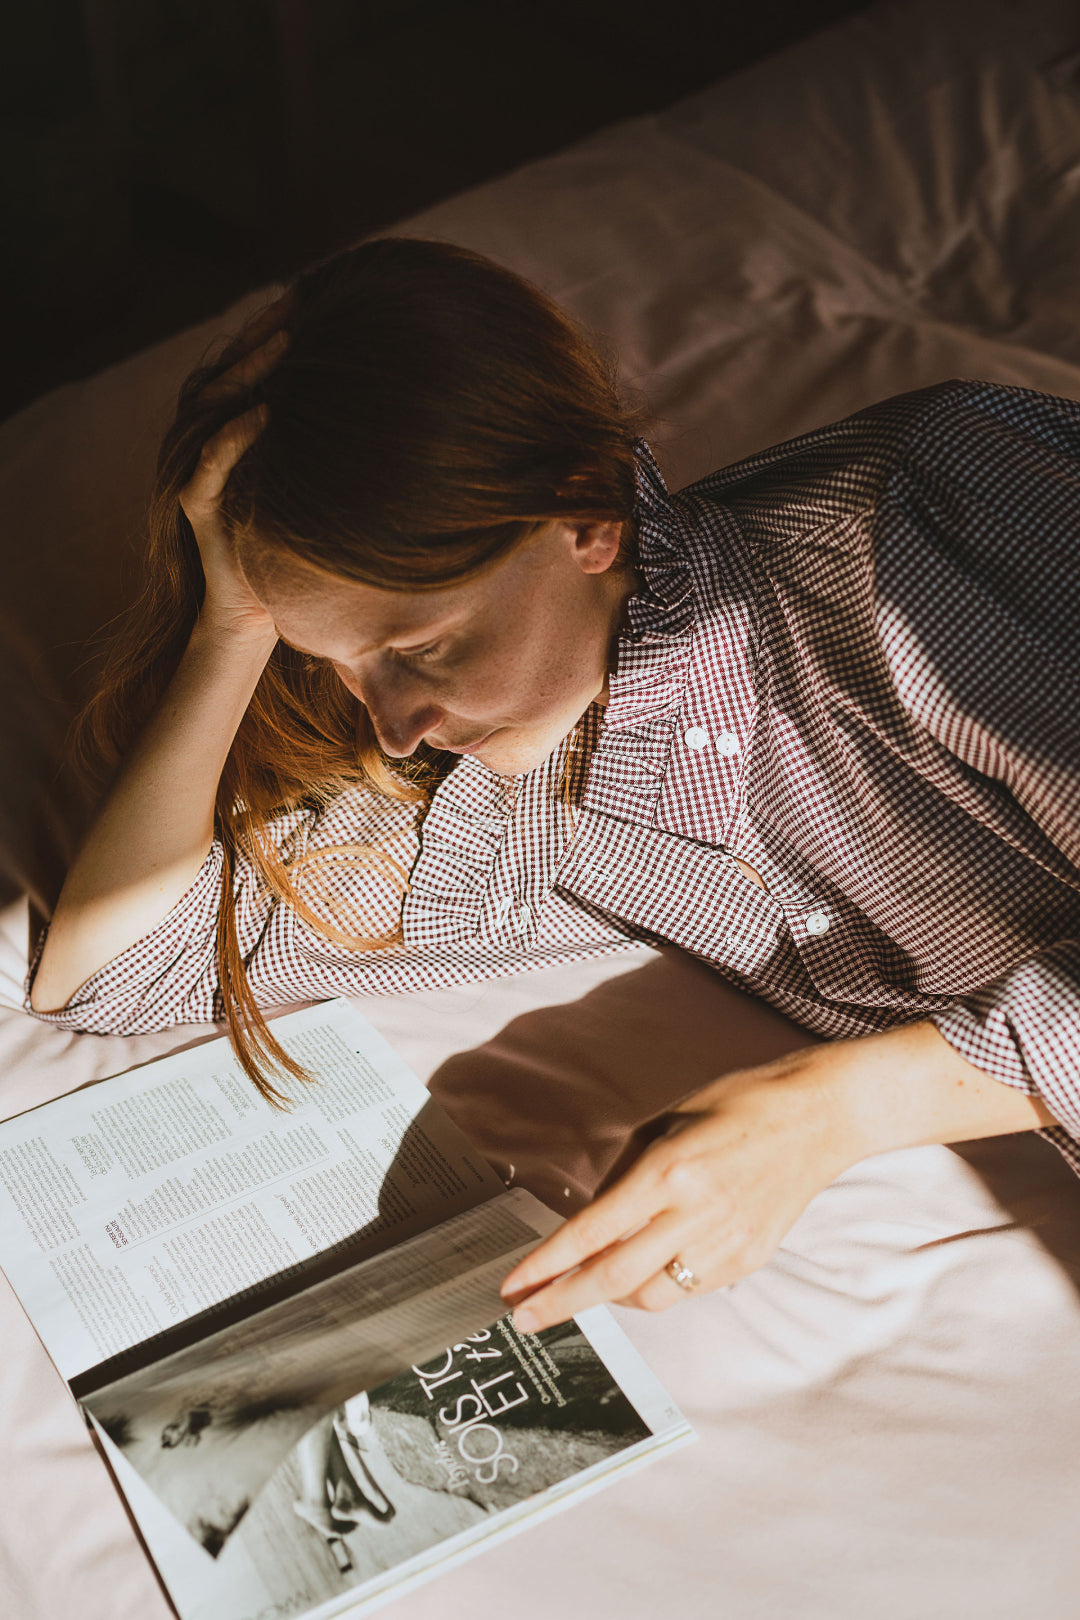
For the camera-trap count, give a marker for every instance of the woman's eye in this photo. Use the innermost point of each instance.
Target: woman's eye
(421, 655)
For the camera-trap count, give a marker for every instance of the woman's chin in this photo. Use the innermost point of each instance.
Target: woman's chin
(516, 758)
(511, 753)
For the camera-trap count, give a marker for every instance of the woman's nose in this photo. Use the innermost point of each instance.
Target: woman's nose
(401, 734)
(400, 722)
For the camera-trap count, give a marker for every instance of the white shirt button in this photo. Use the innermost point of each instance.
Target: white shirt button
(695, 738)
(727, 743)
(817, 922)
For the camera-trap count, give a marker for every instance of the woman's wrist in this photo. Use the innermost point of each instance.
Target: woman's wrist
(909, 1087)
(233, 636)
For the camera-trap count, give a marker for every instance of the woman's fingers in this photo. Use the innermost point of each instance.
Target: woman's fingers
(718, 1191)
(269, 320)
(219, 456)
(250, 369)
(619, 1272)
(261, 344)
(614, 1215)
(229, 602)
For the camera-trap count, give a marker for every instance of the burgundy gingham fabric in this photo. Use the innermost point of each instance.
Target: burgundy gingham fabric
(854, 663)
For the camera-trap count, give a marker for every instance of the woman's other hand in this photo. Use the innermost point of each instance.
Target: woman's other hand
(745, 1156)
(230, 607)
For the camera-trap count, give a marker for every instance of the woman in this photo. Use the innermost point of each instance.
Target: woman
(811, 719)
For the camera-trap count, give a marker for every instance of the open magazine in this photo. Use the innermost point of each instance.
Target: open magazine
(285, 1330)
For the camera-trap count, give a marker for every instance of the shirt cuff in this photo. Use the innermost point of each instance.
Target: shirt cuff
(1024, 1029)
(166, 977)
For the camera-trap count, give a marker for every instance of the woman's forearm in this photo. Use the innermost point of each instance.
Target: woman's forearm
(909, 1087)
(156, 826)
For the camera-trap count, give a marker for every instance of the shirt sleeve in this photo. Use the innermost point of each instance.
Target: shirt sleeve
(167, 977)
(358, 854)
(978, 600)
(1025, 1030)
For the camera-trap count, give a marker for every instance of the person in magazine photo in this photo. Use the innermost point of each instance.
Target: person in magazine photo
(433, 680)
(432, 1453)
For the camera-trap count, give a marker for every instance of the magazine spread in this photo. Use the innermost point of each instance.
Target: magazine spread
(254, 1307)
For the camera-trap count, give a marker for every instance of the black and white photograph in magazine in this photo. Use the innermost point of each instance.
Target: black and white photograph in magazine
(207, 1424)
(430, 1455)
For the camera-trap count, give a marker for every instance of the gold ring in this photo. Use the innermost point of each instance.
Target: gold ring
(682, 1275)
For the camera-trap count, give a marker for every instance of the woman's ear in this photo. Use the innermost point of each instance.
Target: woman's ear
(596, 545)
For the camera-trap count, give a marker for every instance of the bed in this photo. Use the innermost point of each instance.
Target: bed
(887, 1411)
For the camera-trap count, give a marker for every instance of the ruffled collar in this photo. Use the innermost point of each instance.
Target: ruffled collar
(654, 645)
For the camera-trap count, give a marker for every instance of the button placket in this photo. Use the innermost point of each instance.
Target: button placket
(702, 791)
(725, 743)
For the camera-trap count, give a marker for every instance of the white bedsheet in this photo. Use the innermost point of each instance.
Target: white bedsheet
(888, 1412)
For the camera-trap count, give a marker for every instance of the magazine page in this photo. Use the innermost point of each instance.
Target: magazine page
(394, 1485)
(207, 1425)
(139, 1202)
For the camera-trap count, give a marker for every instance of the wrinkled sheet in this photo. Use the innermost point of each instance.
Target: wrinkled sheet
(887, 1411)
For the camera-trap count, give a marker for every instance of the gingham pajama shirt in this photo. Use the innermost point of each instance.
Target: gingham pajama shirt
(853, 663)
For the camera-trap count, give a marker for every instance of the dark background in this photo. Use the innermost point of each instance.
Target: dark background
(158, 158)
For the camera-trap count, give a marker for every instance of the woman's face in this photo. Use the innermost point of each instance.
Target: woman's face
(501, 666)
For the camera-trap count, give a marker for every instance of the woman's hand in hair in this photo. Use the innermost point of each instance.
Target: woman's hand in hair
(230, 607)
(745, 1156)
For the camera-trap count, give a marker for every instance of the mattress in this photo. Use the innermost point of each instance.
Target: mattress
(886, 1410)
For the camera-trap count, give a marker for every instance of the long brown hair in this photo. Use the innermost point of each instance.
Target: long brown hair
(430, 411)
